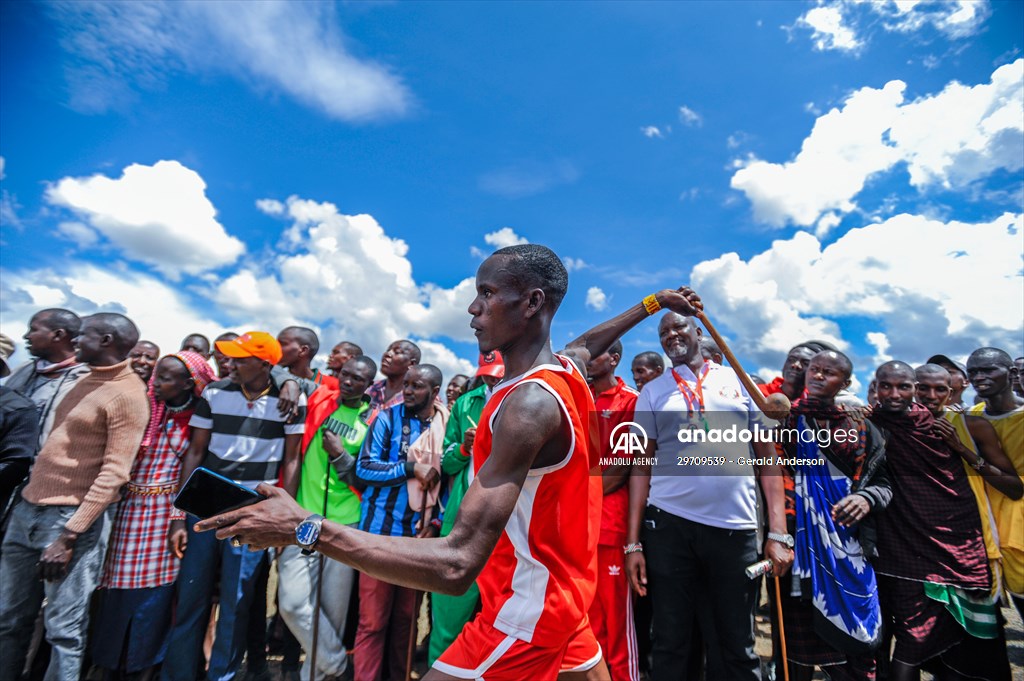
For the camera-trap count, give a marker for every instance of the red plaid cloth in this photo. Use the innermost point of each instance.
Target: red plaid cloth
(931, 531)
(378, 402)
(138, 557)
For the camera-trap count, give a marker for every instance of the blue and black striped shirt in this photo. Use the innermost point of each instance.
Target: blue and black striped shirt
(382, 466)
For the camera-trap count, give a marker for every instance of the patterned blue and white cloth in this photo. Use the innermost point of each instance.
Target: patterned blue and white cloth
(829, 556)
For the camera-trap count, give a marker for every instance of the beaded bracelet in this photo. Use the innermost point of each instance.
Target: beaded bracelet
(651, 304)
(636, 547)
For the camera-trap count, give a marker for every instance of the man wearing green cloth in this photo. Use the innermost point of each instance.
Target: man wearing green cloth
(336, 425)
(450, 613)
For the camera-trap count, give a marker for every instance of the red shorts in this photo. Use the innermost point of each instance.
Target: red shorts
(483, 651)
(583, 652)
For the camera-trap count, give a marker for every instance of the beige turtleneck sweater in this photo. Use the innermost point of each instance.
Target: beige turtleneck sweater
(97, 429)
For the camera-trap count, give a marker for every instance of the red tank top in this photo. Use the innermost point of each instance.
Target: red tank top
(540, 580)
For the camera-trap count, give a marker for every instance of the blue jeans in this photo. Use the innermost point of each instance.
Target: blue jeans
(31, 530)
(239, 569)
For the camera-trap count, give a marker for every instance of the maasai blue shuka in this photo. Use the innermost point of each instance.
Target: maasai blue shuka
(829, 556)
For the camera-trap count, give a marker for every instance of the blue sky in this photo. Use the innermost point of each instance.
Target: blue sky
(840, 170)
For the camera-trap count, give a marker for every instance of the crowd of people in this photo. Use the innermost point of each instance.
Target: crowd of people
(501, 504)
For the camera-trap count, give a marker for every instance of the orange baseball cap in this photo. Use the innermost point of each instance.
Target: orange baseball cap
(491, 364)
(252, 344)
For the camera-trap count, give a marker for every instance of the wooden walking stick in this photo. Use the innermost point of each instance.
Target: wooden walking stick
(319, 580)
(782, 629)
(416, 609)
(316, 615)
(774, 406)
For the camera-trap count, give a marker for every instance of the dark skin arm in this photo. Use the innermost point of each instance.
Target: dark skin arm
(528, 433)
(55, 559)
(177, 537)
(292, 464)
(850, 510)
(614, 478)
(288, 400)
(775, 506)
(998, 470)
(598, 339)
(639, 490)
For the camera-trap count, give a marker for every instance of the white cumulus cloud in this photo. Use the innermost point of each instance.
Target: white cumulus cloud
(8, 202)
(828, 29)
(156, 214)
(347, 275)
(271, 207)
(163, 313)
(503, 237)
(444, 359)
(574, 264)
(954, 283)
(343, 276)
(651, 131)
(295, 48)
(596, 299)
(954, 18)
(690, 117)
(880, 343)
(949, 139)
(83, 235)
(844, 25)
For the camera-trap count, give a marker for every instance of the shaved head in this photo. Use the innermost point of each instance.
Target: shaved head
(429, 373)
(709, 349)
(305, 336)
(352, 348)
(651, 359)
(55, 318)
(993, 375)
(993, 356)
(841, 360)
(894, 369)
(929, 370)
(121, 329)
(367, 362)
(815, 346)
(896, 386)
(535, 266)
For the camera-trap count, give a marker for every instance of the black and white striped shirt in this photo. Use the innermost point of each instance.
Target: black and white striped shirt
(246, 442)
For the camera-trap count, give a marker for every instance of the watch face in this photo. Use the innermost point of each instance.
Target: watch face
(307, 533)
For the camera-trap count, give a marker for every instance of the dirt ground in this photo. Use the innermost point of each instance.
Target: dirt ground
(1014, 639)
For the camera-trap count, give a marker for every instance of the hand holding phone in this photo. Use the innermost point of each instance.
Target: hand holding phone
(206, 494)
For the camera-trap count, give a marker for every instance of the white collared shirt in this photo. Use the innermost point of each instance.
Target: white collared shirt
(721, 494)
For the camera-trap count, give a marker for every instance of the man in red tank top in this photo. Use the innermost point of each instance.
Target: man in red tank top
(527, 528)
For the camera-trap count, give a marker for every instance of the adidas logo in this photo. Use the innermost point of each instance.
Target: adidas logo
(614, 570)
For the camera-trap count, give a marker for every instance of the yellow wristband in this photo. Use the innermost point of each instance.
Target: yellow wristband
(651, 304)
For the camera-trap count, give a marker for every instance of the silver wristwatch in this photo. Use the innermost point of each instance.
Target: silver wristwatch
(784, 539)
(307, 534)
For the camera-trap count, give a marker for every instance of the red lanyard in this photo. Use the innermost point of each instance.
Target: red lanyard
(689, 395)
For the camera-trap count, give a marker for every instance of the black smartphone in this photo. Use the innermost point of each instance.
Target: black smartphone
(206, 494)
